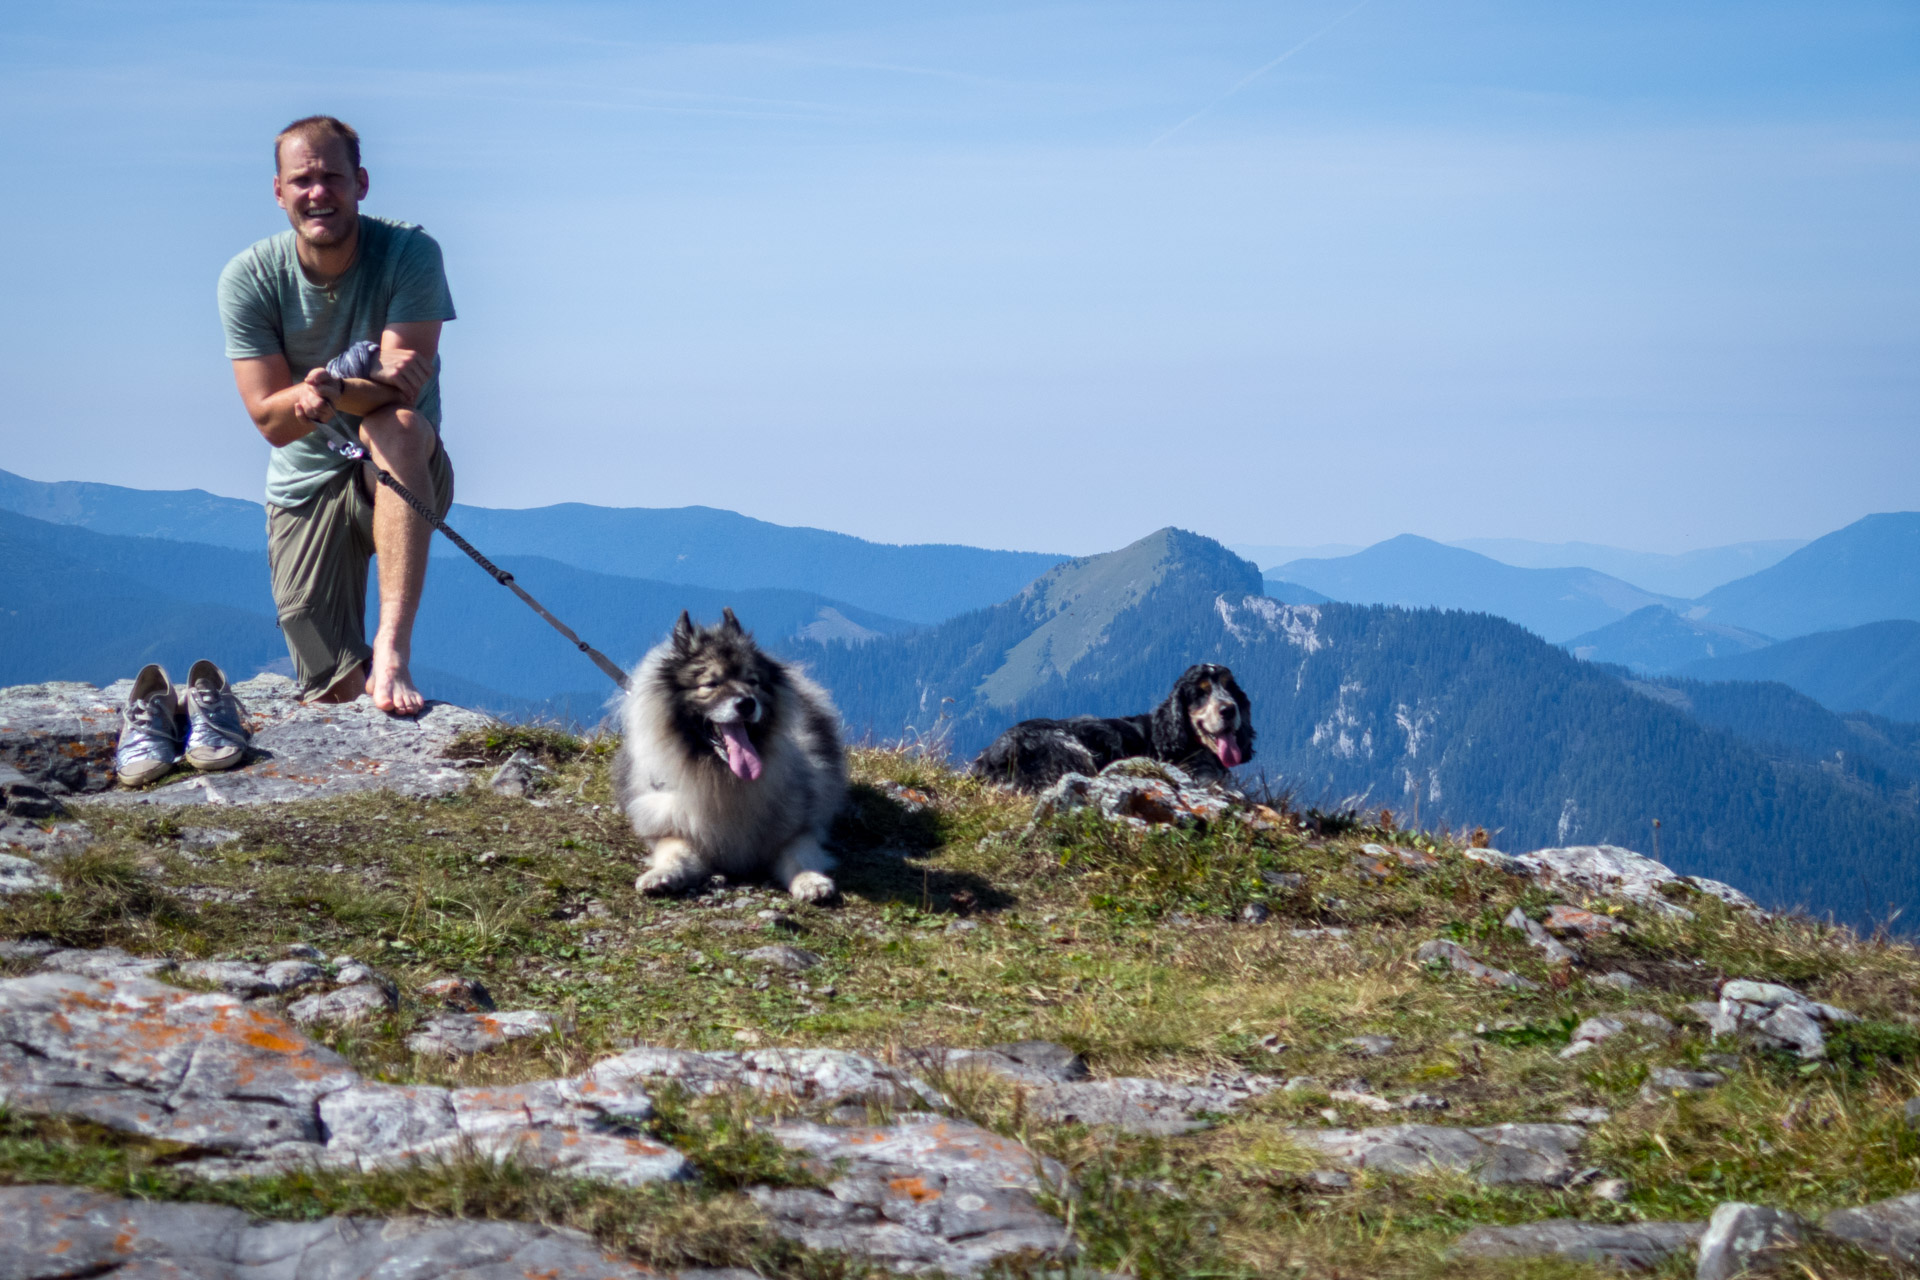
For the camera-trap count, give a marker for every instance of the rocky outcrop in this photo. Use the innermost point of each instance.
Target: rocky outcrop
(64, 734)
(1772, 1017)
(1634, 1246)
(1139, 1105)
(1138, 792)
(1889, 1228)
(924, 1192)
(1742, 1239)
(247, 1094)
(1535, 1154)
(1609, 871)
(65, 1231)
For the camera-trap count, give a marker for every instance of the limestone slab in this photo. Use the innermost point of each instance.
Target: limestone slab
(1537, 1154)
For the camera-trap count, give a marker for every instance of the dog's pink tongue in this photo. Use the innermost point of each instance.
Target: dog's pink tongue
(1227, 747)
(741, 757)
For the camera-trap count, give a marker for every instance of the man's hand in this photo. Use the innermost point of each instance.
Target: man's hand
(315, 397)
(406, 371)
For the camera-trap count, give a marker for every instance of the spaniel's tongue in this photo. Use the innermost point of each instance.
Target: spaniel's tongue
(1227, 747)
(741, 757)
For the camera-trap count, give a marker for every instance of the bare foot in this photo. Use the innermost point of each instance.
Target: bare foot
(392, 684)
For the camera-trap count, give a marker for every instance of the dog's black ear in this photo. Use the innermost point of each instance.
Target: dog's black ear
(683, 633)
(1172, 732)
(730, 624)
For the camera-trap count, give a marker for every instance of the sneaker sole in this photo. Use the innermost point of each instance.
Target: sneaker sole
(142, 776)
(215, 763)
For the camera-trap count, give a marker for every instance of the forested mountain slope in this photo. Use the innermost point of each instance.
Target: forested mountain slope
(1469, 716)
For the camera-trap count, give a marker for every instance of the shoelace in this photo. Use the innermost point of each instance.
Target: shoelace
(218, 712)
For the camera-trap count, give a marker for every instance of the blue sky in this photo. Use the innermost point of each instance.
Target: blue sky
(1028, 276)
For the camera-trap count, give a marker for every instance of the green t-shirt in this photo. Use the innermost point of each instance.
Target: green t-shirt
(269, 307)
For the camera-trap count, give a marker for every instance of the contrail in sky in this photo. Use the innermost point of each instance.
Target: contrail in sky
(1248, 79)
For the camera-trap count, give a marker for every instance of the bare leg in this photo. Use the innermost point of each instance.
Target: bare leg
(802, 867)
(347, 687)
(401, 441)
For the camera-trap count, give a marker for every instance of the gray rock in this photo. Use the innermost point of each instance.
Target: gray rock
(65, 1231)
(1499, 861)
(253, 980)
(1913, 1113)
(456, 1035)
(922, 1192)
(1617, 980)
(300, 752)
(1457, 958)
(1743, 1239)
(1287, 881)
(350, 972)
(1606, 870)
(1055, 1061)
(1138, 792)
(1536, 934)
(1638, 1246)
(303, 951)
(1772, 1017)
(25, 800)
(782, 956)
(1586, 1115)
(60, 839)
(196, 838)
(811, 1075)
(26, 950)
(1668, 1082)
(106, 962)
(132, 1054)
(1594, 1030)
(1537, 1154)
(1256, 913)
(515, 776)
(343, 1006)
(1138, 1105)
(1887, 1228)
(1368, 1046)
(46, 726)
(17, 875)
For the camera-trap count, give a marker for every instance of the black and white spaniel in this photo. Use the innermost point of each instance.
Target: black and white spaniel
(1205, 727)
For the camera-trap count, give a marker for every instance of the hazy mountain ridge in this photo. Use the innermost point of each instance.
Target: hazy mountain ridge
(1866, 572)
(1656, 640)
(75, 604)
(694, 546)
(1421, 573)
(1684, 574)
(1874, 668)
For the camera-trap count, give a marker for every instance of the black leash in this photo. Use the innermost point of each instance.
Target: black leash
(339, 442)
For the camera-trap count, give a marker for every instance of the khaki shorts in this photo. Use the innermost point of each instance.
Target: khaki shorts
(318, 552)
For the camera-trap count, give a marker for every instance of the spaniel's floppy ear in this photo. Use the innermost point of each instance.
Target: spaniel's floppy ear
(1172, 729)
(730, 625)
(683, 634)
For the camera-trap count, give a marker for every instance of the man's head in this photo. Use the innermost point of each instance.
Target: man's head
(318, 179)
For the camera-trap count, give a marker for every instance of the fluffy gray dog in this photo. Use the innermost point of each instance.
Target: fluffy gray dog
(731, 764)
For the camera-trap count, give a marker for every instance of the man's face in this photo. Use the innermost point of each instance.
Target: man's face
(319, 189)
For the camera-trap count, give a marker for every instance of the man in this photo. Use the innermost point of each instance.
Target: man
(289, 304)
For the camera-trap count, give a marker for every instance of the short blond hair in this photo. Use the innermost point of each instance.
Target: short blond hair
(313, 128)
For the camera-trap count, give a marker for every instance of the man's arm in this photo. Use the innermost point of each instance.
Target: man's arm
(286, 411)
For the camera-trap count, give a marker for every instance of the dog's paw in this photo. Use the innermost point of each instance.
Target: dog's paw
(658, 882)
(811, 886)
